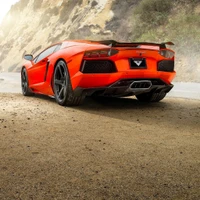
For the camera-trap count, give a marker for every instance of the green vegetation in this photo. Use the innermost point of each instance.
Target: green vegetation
(151, 13)
(162, 20)
(176, 21)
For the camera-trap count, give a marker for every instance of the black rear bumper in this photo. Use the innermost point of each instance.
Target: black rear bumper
(126, 87)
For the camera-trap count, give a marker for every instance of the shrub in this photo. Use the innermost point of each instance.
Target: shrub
(154, 12)
(150, 14)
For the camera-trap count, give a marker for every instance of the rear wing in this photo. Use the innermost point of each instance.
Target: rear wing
(113, 43)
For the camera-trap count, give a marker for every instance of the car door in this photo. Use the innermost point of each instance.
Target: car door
(37, 72)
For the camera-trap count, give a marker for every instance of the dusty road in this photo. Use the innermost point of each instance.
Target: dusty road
(114, 149)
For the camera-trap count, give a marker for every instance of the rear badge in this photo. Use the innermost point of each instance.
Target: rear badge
(137, 63)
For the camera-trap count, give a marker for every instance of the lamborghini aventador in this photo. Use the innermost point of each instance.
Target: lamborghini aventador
(72, 70)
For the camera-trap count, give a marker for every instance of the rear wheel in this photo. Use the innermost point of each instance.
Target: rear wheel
(26, 91)
(151, 97)
(63, 92)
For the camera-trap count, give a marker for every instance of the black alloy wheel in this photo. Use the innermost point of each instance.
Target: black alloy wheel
(61, 81)
(24, 83)
(62, 86)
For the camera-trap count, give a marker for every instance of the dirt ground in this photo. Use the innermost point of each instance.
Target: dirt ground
(108, 149)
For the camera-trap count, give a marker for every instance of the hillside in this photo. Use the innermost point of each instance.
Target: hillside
(31, 25)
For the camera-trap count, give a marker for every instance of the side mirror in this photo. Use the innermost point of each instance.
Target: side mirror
(28, 57)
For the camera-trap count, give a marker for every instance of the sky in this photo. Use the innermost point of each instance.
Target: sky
(5, 7)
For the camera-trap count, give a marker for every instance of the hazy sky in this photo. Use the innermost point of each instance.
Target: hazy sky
(5, 7)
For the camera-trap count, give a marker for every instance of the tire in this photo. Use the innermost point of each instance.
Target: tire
(26, 91)
(63, 92)
(151, 97)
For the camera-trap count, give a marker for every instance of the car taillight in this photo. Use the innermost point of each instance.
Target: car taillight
(167, 53)
(100, 53)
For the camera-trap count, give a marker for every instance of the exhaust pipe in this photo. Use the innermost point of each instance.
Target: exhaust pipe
(140, 85)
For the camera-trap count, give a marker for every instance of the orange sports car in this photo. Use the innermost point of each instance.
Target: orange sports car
(72, 70)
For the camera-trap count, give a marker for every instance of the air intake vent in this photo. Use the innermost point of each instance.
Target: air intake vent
(98, 66)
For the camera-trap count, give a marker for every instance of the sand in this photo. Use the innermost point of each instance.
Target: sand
(107, 149)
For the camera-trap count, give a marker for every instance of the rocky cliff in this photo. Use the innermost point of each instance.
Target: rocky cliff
(32, 25)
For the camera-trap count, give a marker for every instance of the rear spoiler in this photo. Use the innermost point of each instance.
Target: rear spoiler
(113, 43)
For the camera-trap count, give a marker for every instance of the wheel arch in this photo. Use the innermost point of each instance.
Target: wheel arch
(28, 91)
(23, 67)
